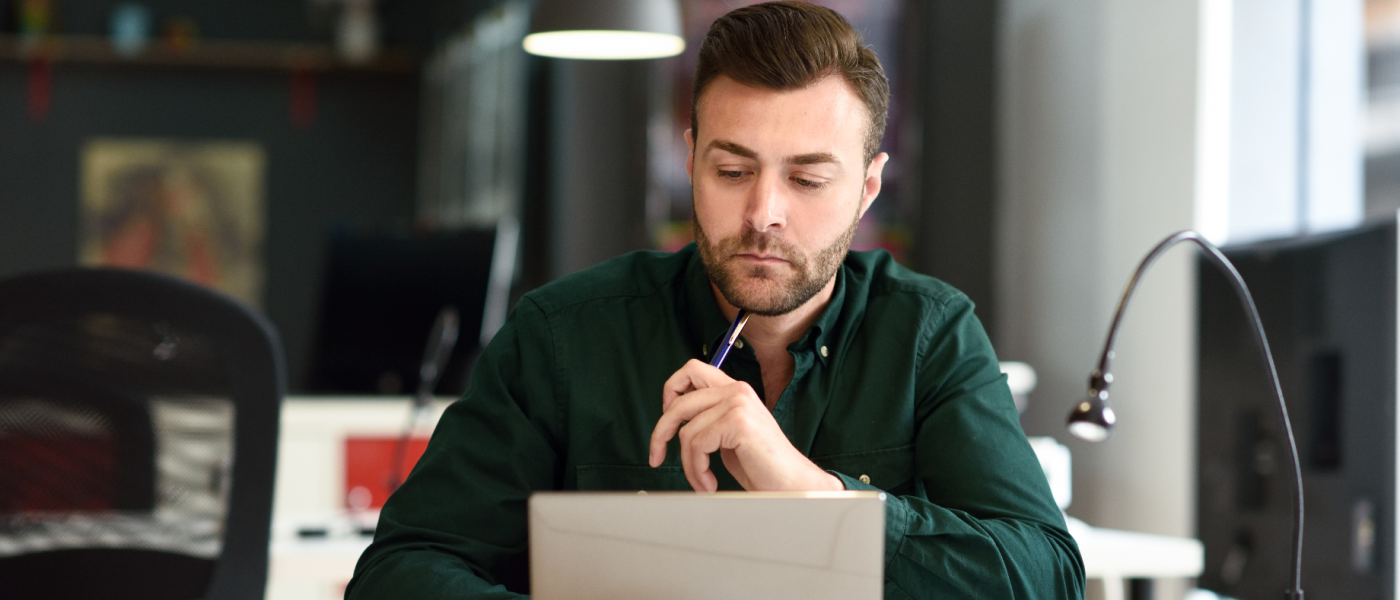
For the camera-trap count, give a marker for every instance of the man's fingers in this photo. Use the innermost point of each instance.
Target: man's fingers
(680, 382)
(698, 439)
(687, 383)
(663, 432)
(696, 462)
(694, 375)
(670, 422)
(689, 406)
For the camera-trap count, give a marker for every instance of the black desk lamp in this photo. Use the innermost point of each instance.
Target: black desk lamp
(1092, 419)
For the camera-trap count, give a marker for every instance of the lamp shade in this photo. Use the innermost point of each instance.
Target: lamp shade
(605, 29)
(1092, 419)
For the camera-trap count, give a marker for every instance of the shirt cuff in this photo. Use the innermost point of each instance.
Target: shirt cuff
(853, 484)
(896, 514)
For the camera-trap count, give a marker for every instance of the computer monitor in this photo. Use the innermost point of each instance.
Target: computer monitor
(381, 294)
(1328, 304)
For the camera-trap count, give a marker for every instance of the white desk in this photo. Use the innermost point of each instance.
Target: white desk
(1115, 556)
(312, 569)
(310, 468)
(309, 485)
(320, 568)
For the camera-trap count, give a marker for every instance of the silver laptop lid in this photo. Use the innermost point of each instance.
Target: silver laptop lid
(684, 546)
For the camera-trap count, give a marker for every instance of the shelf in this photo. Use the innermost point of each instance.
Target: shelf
(204, 54)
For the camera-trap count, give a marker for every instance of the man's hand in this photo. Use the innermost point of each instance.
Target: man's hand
(712, 412)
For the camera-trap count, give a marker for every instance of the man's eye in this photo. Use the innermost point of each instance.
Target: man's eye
(731, 174)
(808, 183)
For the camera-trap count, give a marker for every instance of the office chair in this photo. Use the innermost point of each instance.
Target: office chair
(138, 438)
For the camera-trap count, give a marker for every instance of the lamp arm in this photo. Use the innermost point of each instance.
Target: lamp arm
(1101, 378)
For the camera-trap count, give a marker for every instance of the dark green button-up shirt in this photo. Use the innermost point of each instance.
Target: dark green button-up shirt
(896, 388)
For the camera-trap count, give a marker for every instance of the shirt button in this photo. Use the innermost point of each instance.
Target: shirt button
(865, 479)
(823, 351)
(740, 344)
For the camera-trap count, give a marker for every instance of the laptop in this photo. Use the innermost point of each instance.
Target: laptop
(687, 546)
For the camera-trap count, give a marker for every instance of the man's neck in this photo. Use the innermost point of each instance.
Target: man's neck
(770, 336)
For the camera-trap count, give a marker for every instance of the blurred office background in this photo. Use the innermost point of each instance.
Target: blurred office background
(1040, 148)
(413, 118)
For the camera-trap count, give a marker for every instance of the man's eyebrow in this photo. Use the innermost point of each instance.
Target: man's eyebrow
(812, 158)
(733, 148)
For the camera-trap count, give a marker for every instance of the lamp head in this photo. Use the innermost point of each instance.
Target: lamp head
(605, 29)
(1092, 419)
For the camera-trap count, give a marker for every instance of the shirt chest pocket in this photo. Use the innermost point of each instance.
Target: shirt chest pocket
(891, 469)
(631, 478)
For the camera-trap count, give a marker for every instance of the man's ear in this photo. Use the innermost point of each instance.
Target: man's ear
(873, 181)
(690, 156)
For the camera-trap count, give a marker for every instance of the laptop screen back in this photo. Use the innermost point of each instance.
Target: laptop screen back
(682, 546)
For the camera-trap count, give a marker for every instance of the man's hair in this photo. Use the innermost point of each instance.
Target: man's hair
(788, 46)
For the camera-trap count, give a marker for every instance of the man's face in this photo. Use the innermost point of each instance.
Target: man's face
(779, 182)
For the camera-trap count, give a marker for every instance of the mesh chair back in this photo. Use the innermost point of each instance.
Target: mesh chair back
(138, 432)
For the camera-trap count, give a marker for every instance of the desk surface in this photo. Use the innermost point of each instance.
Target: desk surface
(1128, 554)
(1108, 554)
(310, 466)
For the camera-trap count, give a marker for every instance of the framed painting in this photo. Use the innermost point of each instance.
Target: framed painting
(187, 208)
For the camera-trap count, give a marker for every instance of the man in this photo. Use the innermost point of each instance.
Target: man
(853, 373)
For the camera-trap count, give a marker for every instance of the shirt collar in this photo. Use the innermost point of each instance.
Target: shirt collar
(707, 324)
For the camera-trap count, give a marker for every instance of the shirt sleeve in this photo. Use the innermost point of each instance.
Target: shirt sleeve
(983, 523)
(456, 528)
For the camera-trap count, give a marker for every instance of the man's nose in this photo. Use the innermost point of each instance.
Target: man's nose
(767, 208)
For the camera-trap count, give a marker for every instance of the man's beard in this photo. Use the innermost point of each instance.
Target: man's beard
(776, 296)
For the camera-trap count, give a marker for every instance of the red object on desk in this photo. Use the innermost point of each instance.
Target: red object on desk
(369, 464)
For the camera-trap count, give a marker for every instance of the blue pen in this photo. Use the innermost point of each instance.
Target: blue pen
(730, 337)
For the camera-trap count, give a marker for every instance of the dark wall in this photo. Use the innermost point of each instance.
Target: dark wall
(952, 50)
(598, 145)
(355, 166)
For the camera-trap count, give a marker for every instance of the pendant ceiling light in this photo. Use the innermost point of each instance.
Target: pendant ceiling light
(605, 29)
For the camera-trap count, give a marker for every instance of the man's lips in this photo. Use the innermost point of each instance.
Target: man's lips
(761, 258)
